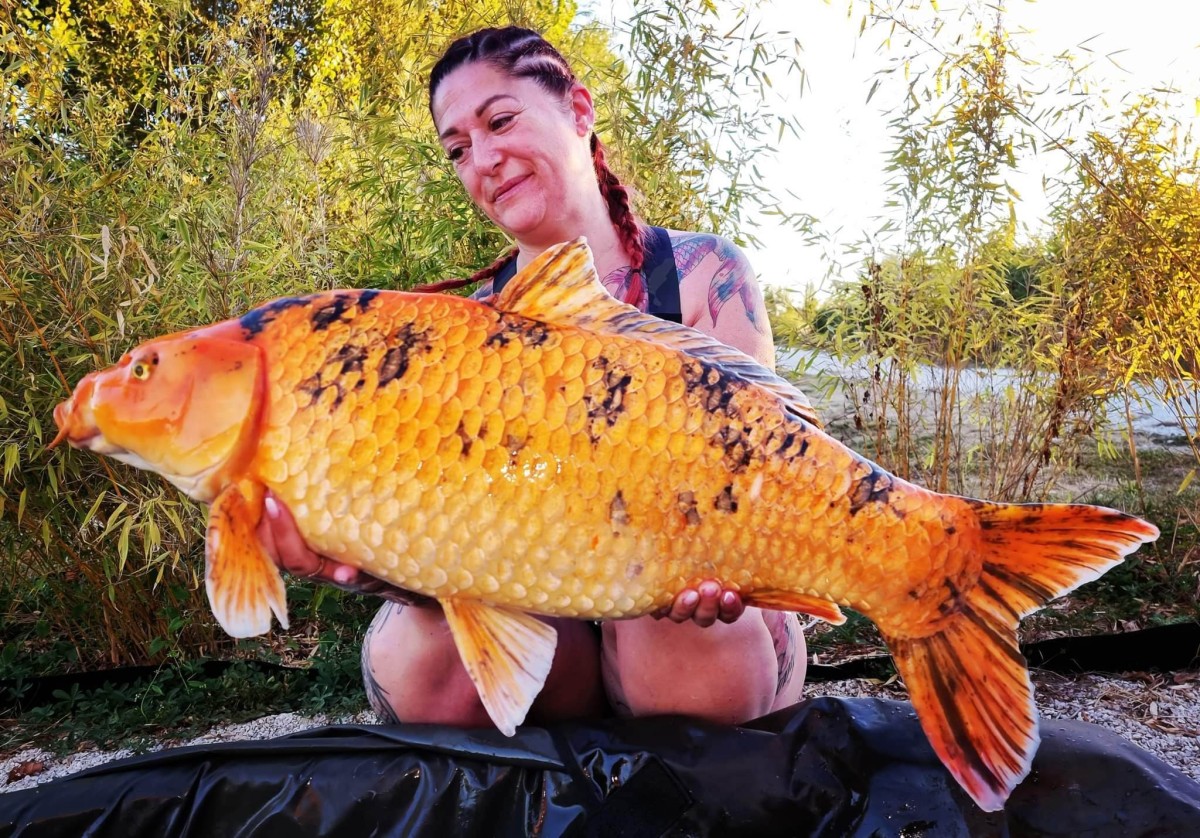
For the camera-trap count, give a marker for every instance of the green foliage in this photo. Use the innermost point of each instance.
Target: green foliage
(955, 345)
(181, 699)
(1126, 249)
(698, 115)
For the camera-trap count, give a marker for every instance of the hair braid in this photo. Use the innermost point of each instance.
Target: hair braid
(482, 275)
(630, 230)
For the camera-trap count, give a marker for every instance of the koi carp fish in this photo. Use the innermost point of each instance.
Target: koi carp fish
(553, 451)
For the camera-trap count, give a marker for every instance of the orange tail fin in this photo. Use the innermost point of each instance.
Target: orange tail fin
(968, 682)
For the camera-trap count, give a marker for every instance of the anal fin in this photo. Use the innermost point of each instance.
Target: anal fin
(244, 586)
(507, 654)
(781, 600)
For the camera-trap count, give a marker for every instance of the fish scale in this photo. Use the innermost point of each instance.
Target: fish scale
(558, 452)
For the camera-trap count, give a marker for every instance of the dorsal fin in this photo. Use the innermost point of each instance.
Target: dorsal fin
(561, 286)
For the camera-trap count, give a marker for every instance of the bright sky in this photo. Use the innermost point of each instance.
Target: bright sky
(837, 165)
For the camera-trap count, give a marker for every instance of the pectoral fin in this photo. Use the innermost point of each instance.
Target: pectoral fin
(243, 584)
(822, 609)
(507, 654)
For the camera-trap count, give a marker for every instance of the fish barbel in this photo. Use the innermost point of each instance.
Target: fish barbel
(554, 451)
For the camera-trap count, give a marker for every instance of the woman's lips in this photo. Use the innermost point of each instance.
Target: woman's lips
(507, 187)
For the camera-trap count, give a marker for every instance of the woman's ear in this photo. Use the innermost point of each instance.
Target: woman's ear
(582, 110)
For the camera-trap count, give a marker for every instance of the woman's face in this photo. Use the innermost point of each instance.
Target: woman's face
(521, 152)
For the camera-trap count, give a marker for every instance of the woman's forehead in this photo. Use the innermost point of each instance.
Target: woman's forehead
(467, 91)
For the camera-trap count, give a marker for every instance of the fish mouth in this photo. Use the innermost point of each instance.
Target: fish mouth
(78, 429)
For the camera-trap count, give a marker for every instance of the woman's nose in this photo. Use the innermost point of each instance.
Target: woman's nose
(486, 155)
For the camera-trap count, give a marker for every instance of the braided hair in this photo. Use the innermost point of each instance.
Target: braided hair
(523, 53)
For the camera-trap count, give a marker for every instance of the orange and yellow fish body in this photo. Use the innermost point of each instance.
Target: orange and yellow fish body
(557, 452)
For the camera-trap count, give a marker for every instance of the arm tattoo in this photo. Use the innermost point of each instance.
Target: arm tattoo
(785, 652)
(377, 696)
(731, 277)
(628, 286)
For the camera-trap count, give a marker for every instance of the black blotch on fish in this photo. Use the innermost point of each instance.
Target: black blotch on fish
(350, 357)
(953, 603)
(949, 692)
(365, 297)
(467, 439)
(873, 488)
(605, 399)
(618, 513)
(714, 391)
(1027, 586)
(260, 318)
(406, 340)
(725, 501)
(326, 316)
(1031, 520)
(535, 334)
(735, 441)
(315, 386)
(394, 365)
(509, 328)
(686, 503)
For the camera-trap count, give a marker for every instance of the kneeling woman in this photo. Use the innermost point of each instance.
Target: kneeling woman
(518, 127)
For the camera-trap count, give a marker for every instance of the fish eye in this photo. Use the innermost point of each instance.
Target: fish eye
(141, 369)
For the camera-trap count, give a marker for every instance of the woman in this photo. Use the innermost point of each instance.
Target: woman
(518, 128)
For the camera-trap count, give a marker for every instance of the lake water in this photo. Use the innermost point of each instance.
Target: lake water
(1152, 418)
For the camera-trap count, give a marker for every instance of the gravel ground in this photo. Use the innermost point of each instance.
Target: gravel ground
(1158, 713)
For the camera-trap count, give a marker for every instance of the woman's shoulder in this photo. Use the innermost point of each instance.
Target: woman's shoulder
(691, 238)
(700, 255)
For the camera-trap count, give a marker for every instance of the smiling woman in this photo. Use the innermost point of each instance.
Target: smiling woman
(519, 129)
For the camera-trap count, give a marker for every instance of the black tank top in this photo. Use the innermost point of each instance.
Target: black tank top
(658, 271)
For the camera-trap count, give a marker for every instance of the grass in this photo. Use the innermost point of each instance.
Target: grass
(179, 701)
(314, 668)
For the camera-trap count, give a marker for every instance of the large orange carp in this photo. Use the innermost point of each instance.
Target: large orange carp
(558, 452)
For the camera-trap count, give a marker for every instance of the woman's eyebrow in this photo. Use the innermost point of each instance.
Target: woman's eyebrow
(453, 129)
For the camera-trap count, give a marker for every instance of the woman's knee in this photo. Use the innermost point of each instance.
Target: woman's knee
(725, 673)
(412, 671)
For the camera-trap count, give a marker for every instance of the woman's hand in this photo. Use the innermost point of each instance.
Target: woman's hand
(704, 605)
(283, 543)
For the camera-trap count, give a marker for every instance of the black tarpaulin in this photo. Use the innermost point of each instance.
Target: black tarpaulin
(829, 767)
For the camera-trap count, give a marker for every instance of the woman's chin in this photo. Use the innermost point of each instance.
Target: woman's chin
(521, 219)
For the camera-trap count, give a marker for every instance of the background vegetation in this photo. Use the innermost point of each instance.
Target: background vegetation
(167, 164)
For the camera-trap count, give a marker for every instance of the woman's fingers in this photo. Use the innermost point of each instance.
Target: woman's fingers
(704, 605)
(287, 548)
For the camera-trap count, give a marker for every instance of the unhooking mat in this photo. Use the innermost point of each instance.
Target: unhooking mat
(828, 767)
